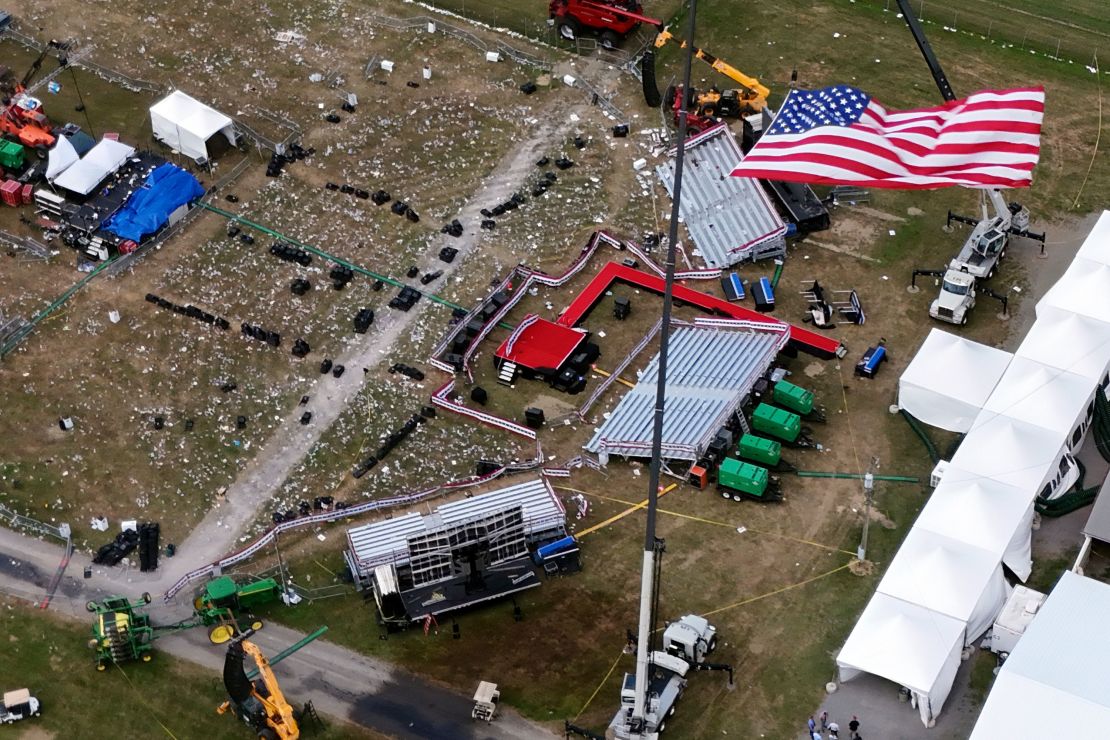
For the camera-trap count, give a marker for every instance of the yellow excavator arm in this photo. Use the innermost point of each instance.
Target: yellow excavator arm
(759, 92)
(278, 712)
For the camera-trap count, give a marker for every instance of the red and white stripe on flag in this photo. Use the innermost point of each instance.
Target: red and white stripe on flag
(989, 139)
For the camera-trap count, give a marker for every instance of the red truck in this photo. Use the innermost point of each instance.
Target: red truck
(609, 20)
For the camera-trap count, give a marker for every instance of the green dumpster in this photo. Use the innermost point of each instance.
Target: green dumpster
(11, 155)
(760, 450)
(776, 422)
(793, 397)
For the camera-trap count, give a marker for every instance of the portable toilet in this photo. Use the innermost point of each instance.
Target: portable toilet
(793, 397)
(776, 422)
(738, 479)
(760, 450)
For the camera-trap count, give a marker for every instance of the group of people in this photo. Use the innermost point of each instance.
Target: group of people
(831, 730)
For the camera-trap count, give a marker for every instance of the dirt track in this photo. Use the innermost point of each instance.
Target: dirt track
(218, 533)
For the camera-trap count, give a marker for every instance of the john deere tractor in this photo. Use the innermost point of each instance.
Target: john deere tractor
(121, 632)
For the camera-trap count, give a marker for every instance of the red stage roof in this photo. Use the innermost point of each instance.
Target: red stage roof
(539, 344)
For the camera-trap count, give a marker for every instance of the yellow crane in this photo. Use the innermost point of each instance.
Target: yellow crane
(260, 703)
(751, 97)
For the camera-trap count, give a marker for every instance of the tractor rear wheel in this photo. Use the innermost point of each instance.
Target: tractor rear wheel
(608, 40)
(267, 733)
(568, 29)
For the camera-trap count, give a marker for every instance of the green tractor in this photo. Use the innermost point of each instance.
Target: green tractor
(222, 598)
(123, 632)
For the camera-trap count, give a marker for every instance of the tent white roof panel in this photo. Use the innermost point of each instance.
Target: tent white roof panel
(949, 379)
(60, 158)
(1068, 341)
(1008, 450)
(102, 160)
(1056, 682)
(185, 124)
(1084, 289)
(1096, 246)
(948, 576)
(1042, 395)
(984, 513)
(907, 644)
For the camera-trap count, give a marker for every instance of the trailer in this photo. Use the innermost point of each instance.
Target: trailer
(780, 423)
(740, 480)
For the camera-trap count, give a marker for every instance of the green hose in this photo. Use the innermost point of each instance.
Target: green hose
(21, 334)
(1102, 424)
(929, 446)
(1076, 498)
(856, 476)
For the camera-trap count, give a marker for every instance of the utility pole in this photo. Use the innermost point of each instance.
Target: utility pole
(868, 492)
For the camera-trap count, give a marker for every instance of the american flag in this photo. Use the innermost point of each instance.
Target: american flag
(840, 135)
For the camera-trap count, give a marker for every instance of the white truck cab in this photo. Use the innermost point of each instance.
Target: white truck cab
(691, 638)
(956, 298)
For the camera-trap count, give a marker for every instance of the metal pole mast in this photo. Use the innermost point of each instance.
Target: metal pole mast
(647, 576)
(868, 492)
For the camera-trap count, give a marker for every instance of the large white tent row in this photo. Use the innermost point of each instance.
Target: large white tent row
(1056, 682)
(185, 124)
(1023, 414)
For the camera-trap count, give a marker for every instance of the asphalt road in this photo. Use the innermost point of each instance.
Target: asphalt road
(339, 682)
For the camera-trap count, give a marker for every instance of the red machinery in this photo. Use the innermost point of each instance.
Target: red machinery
(21, 118)
(611, 20)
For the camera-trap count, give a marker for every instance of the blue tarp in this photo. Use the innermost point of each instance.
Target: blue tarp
(166, 189)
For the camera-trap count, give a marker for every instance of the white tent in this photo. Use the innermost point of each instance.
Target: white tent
(1068, 341)
(61, 156)
(984, 513)
(1084, 289)
(186, 124)
(1008, 450)
(948, 576)
(1096, 247)
(1056, 682)
(100, 161)
(949, 379)
(909, 645)
(1045, 396)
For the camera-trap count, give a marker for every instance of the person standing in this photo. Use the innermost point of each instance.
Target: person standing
(853, 727)
(824, 720)
(834, 731)
(811, 725)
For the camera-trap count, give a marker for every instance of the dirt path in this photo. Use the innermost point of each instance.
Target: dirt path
(339, 682)
(220, 531)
